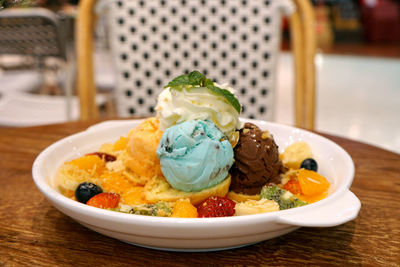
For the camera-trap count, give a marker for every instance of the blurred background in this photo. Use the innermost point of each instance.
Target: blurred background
(357, 65)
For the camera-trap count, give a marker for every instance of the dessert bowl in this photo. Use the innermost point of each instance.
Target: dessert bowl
(202, 234)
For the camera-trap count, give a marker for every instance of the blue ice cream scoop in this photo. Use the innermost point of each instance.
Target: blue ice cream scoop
(194, 155)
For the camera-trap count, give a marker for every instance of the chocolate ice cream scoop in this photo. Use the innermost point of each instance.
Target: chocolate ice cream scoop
(256, 161)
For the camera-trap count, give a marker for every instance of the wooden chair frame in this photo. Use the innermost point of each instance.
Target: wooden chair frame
(302, 26)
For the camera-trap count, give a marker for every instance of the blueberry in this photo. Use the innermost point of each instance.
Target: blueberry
(309, 164)
(86, 191)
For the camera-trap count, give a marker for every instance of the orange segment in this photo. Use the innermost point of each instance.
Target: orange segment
(184, 209)
(120, 144)
(312, 183)
(135, 196)
(312, 199)
(115, 182)
(90, 163)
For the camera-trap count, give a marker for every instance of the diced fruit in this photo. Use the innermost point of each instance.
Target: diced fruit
(184, 209)
(309, 164)
(115, 182)
(255, 206)
(90, 163)
(293, 186)
(86, 191)
(312, 199)
(134, 196)
(312, 183)
(120, 144)
(162, 209)
(284, 198)
(216, 207)
(104, 156)
(294, 154)
(68, 193)
(104, 201)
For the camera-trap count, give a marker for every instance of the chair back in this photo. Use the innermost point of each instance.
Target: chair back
(38, 34)
(233, 42)
(32, 32)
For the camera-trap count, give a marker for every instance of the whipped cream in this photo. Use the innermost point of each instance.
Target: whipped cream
(174, 107)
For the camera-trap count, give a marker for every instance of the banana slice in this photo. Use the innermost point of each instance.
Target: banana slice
(255, 206)
(294, 154)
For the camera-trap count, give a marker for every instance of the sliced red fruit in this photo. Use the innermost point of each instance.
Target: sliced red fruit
(216, 207)
(104, 201)
(293, 186)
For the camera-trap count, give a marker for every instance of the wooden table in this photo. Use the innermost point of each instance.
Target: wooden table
(34, 233)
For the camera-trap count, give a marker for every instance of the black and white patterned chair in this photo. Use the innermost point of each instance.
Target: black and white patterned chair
(233, 42)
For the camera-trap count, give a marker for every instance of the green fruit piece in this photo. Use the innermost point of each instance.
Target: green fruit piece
(160, 209)
(284, 198)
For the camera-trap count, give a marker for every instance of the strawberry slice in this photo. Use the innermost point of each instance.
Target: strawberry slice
(216, 207)
(293, 186)
(104, 201)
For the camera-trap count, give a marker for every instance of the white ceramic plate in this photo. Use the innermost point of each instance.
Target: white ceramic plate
(195, 234)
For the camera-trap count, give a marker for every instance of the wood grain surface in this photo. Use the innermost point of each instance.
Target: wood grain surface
(34, 233)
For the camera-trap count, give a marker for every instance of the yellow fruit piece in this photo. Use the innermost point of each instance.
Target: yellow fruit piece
(312, 199)
(294, 154)
(120, 144)
(134, 196)
(107, 148)
(67, 193)
(255, 206)
(312, 184)
(90, 163)
(184, 209)
(115, 182)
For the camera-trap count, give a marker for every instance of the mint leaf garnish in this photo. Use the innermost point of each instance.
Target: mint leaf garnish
(178, 81)
(195, 78)
(228, 96)
(208, 83)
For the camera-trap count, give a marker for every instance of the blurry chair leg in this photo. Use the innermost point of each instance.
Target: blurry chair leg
(307, 16)
(70, 78)
(110, 108)
(84, 45)
(70, 70)
(297, 47)
(40, 67)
